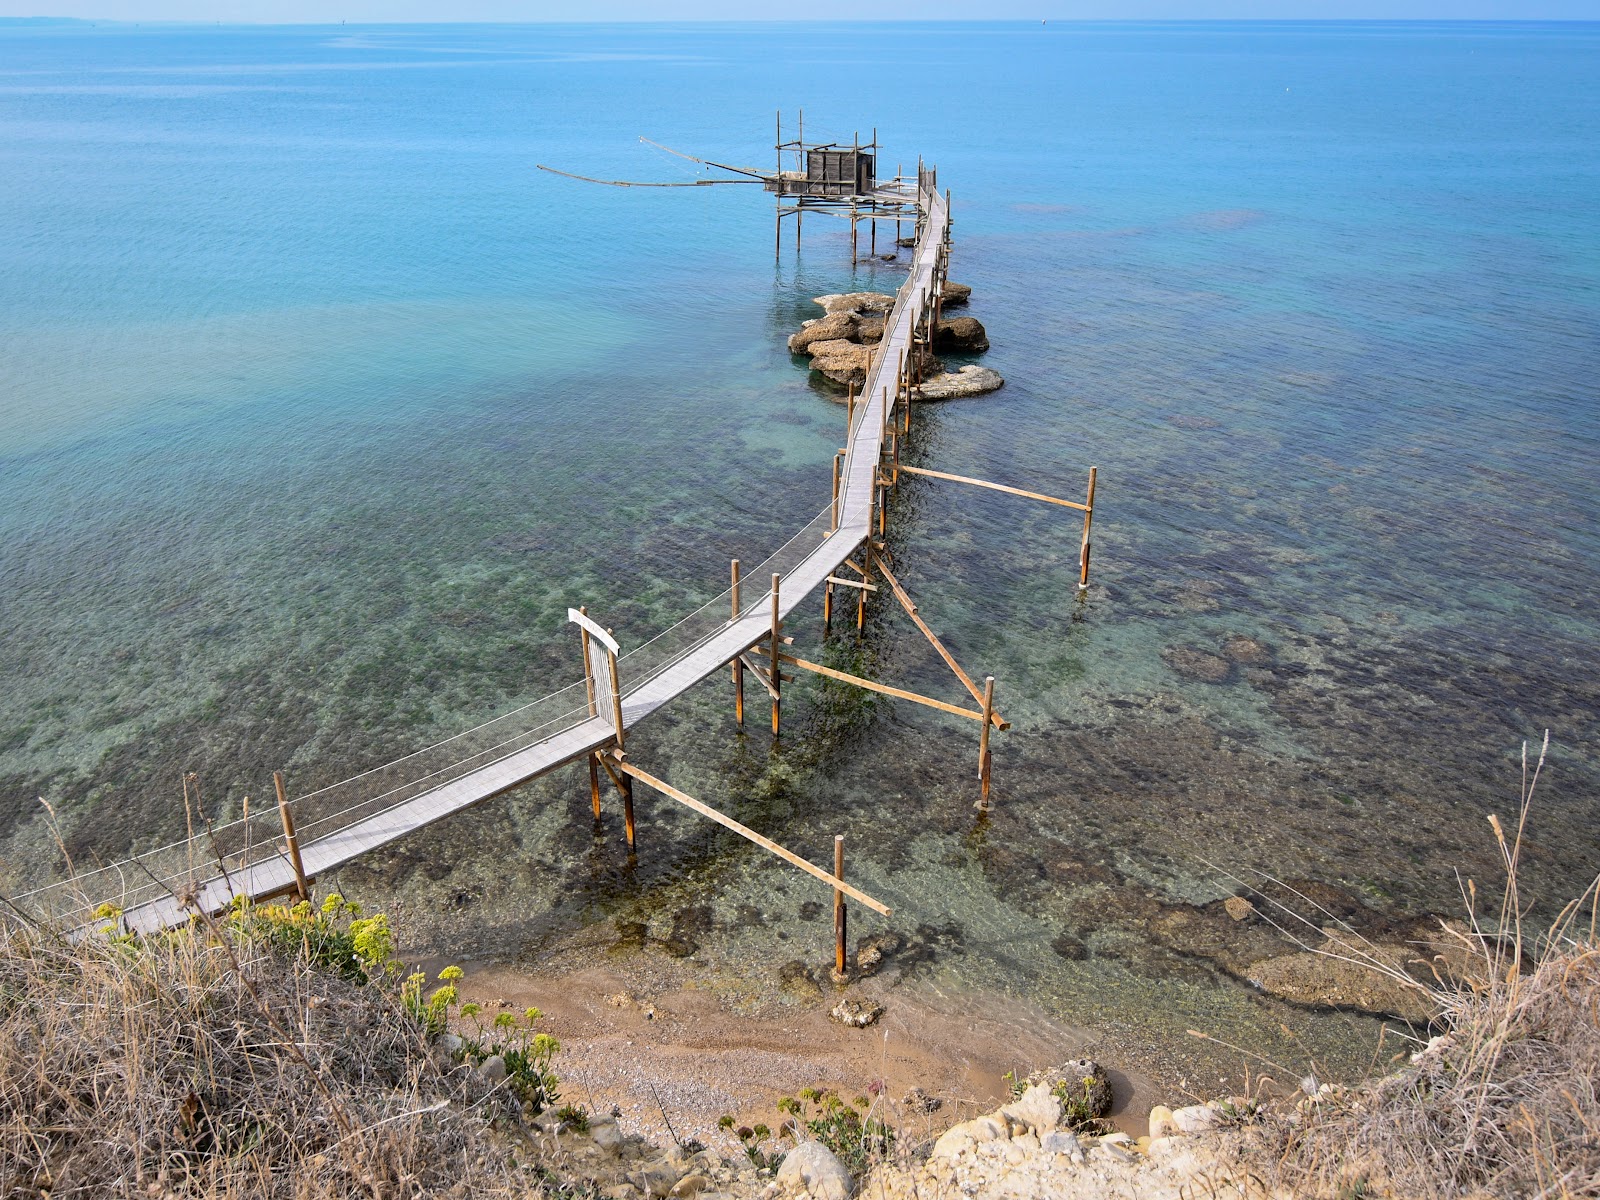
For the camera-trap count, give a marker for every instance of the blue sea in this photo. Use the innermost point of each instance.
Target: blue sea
(320, 404)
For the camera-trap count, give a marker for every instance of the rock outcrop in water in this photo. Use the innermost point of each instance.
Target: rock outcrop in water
(970, 380)
(840, 344)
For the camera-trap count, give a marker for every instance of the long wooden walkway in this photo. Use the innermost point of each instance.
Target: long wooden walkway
(273, 874)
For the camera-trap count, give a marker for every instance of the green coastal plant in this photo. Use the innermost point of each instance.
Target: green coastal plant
(848, 1129)
(753, 1141)
(526, 1052)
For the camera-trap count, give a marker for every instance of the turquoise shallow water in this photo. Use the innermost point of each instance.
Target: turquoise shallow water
(319, 404)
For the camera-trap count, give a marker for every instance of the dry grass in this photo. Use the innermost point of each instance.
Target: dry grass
(1504, 1101)
(211, 1063)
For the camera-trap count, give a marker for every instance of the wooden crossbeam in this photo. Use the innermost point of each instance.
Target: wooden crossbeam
(998, 487)
(911, 611)
(873, 685)
(855, 583)
(744, 831)
(760, 672)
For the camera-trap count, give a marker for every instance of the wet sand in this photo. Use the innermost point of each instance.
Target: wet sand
(661, 1043)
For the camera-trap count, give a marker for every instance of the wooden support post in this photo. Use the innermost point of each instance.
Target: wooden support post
(861, 599)
(853, 255)
(873, 237)
(301, 887)
(835, 520)
(983, 744)
(1088, 519)
(627, 813)
(616, 716)
(894, 447)
(827, 608)
(839, 916)
(594, 787)
(849, 410)
(777, 635)
(738, 665)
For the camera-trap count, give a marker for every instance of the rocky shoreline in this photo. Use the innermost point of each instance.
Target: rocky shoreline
(1042, 1145)
(840, 345)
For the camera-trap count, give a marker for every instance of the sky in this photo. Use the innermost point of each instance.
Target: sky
(333, 11)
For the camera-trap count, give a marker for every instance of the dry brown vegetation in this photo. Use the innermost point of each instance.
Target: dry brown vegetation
(220, 1061)
(1503, 1102)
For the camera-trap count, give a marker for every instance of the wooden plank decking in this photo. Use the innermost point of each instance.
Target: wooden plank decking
(858, 480)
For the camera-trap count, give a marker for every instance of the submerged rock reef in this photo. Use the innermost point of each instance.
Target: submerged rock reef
(840, 343)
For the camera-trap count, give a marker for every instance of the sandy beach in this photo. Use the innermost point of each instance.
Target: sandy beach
(652, 1038)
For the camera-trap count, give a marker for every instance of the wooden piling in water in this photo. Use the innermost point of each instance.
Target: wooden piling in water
(777, 634)
(301, 887)
(840, 917)
(738, 663)
(983, 743)
(1088, 520)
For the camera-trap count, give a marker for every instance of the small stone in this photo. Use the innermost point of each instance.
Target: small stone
(493, 1069)
(689, 1185)
(1161, 1122)
(606, 1134)
(918, 1100)
(1061, 1142)
(1196, 1118)
(857, 1014)
(1238, 907)
(451, 1044)
(813, 1168)
(1037, 1111)
(656, 1178)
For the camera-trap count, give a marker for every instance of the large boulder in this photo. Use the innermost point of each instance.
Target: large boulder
(961, 335)
(968, 381)
(869, 330)
(843, 363)
(814, 1169)
(856, 302)
(833, 327)
(955, 294)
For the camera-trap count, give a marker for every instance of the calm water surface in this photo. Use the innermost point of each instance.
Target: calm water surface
(319, 404)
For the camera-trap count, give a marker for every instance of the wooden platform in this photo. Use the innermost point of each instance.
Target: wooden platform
(709, 655)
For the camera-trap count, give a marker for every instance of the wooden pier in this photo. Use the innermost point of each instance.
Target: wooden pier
(258, 857)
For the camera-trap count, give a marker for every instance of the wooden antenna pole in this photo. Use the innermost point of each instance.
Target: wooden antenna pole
(300, 886)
